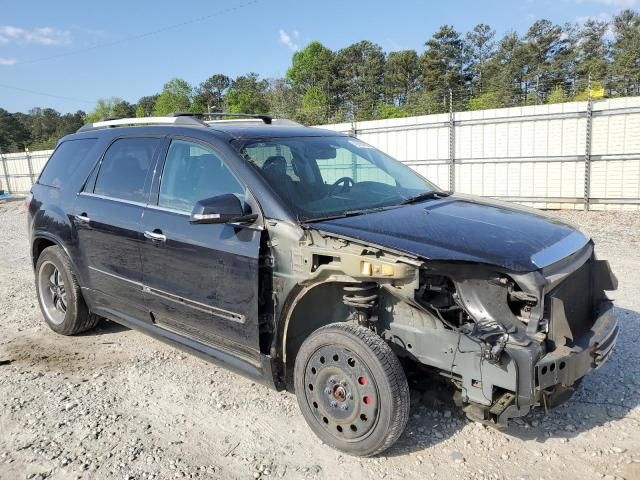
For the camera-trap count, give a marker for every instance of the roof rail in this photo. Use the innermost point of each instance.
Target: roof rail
(171, 119)
(265, 118)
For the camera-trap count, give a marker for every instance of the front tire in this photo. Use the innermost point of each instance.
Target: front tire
(59, 294)
(351, 389)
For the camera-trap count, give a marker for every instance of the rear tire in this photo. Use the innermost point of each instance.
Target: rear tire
(351, 389)
(59, 294)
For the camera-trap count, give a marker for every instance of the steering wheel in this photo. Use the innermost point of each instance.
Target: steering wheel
(346, 182)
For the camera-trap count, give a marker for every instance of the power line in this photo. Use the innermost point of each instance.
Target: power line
(34, 92)
(140, 35)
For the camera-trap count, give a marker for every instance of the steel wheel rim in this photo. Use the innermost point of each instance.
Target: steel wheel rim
(53, 292)
(341, 393)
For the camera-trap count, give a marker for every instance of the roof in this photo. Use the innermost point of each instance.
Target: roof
(245, 127)
(249, 131)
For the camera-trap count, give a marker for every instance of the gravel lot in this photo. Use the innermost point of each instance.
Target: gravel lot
(116, 404)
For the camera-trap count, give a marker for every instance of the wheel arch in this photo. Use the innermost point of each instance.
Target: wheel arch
(303, 313)
(42, 240)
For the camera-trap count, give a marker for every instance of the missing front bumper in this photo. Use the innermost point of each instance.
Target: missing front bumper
(566, 365)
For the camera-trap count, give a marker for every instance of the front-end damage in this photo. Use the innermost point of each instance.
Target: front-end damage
(507, 340)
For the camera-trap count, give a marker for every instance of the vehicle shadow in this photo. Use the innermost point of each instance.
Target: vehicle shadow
(104, 327)
(611, 393)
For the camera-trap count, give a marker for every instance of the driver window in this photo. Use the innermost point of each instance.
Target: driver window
(193, 172)
(349, 164)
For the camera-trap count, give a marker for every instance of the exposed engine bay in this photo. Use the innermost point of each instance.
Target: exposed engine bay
(488, 330)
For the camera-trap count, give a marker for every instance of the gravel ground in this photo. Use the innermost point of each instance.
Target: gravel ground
(116, 404)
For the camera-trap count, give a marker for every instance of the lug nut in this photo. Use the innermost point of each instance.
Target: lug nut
(334, 403)
(344, 407)
(327, 391)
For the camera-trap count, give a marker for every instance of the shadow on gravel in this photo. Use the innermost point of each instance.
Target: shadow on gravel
(105, 327)
(609, 394)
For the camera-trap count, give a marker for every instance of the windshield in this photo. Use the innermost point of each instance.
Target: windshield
(320, 177)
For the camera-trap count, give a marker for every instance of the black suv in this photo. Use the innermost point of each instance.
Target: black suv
(310, 261)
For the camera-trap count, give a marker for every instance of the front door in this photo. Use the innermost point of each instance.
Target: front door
(201, 281)
(108, 216)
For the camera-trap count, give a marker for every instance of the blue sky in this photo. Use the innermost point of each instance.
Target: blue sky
(259, 36)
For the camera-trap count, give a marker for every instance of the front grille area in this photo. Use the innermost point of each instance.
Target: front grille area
(570, 307)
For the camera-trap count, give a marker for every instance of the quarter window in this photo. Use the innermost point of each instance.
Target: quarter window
(125, 167)
(65, 160)
(194, 172)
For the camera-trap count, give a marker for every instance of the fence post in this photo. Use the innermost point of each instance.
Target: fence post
(6, 172)
(587, 148)
(30, 165)
(452, 145)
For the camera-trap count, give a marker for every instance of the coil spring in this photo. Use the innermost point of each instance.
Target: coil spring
(361, 296)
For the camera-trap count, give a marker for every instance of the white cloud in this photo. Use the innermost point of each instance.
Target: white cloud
(42, 36)
(286, 39)
(7, 61)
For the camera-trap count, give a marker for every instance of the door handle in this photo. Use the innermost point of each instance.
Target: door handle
(83, 218)
(156, 237)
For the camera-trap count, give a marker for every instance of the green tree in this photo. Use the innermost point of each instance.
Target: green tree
(626, 53)
(544, 43)
(315, 106)
(505, 70)
(176, 96)
(386, 110)
(360, 78)
(442, 63)
(144, 107)
(104, 109)
(401, 72)
(311, 67)
(283, 101)
(14, 134)
(427, 102)
(210, 94)
(248, 94)
(557, 95)
(479, 47)
(592, 50)
(123, 109)
(486, 100)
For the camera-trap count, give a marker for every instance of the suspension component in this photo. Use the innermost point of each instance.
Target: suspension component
(363, 298)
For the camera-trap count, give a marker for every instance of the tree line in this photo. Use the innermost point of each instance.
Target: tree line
(548, 64)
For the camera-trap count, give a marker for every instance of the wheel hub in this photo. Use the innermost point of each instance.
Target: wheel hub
(341, 392)
(53, 292)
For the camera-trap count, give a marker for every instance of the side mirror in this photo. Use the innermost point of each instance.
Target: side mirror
(225, 208)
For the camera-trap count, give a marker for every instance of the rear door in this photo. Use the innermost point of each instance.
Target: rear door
(200, 280)
(108, 214)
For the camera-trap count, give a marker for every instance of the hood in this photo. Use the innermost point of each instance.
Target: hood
(465, 228)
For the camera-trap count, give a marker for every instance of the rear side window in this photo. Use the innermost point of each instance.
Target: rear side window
(65, 160)
(125, 167)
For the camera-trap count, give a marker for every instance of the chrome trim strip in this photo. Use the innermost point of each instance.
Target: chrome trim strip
(559, 250)
(218, 312)
(170, 210)
(119, 200)
(118, 277)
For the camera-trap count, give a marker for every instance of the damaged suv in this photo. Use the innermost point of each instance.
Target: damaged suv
(310, 261)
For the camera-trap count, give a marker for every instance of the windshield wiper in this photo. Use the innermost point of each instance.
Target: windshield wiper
(348, 213)
(425, 196)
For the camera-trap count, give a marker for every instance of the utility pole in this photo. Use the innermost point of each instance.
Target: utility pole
(587, 148)
(452, 144)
